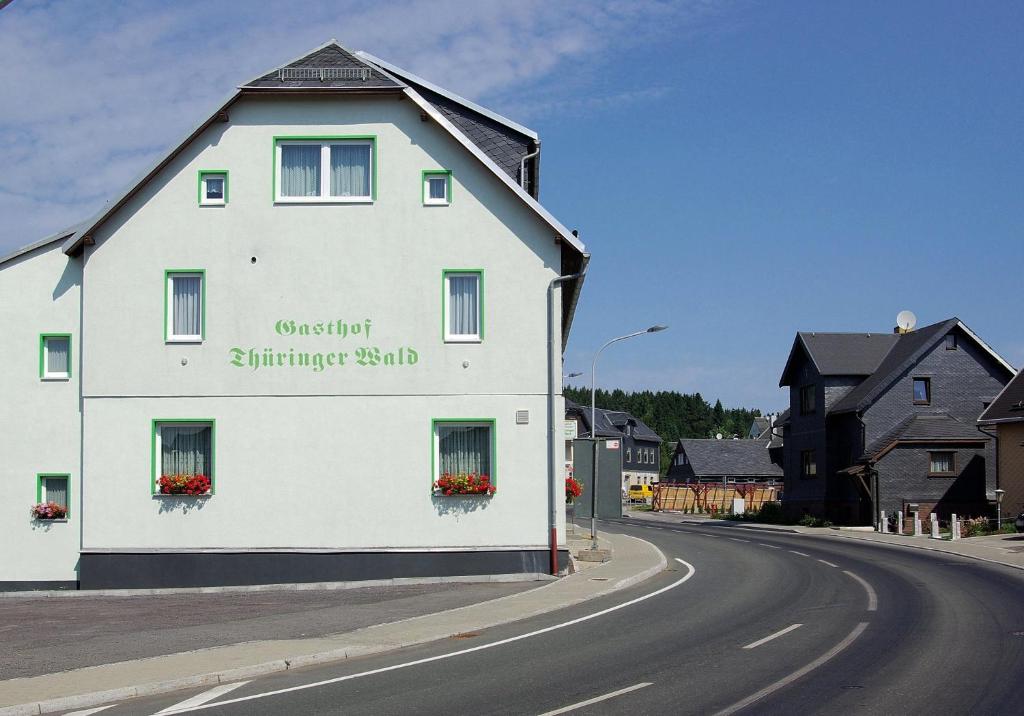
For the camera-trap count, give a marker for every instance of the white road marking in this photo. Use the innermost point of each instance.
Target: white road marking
(799, 673)
(737, 539)
(87, 712)
(799, 553)
(769, 546)
(825, 561)
(200, 699)
(872, 596)
(776, 635)
(596, 699)
(690, 571)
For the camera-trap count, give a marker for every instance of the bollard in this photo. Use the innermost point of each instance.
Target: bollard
(917, 524)
(935, 526)
(883, 524)
(954, 527)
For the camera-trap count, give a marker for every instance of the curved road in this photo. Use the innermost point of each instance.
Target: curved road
(749, 621)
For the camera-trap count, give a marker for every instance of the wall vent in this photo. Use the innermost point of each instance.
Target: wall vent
(522, 417)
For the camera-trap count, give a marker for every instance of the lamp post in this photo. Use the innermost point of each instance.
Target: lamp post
(999, 508)
(593, 424)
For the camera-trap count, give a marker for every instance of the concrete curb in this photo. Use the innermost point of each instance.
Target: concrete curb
(928, 549)
(99, 698)
(291, 587)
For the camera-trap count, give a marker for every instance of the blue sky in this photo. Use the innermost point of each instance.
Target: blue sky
(739, 170)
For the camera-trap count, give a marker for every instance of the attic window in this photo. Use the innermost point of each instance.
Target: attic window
(950, 341)
(922, 391)
(323, 73)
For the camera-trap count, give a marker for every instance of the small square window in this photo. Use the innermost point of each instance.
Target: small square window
(808, 399)
(463, 306)
(185, 301)
(942, 464)
(464, 448)
(808, 464)
(437, 188)
(55, 356)
(951, 342)
(922, 391)
(213, 187)
(54, 489)
(183, 449)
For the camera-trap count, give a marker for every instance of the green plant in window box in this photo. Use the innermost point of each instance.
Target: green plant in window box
(184, 485)
(49, 511)
(464, 484)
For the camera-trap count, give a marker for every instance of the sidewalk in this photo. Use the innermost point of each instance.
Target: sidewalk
(634, 561)
(1005, 549)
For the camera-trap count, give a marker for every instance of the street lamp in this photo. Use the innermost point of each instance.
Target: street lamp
(999, 508)
(593, 424)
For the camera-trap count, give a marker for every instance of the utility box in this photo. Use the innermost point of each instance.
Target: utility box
(609, 482)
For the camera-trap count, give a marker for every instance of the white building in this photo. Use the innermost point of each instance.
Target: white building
(341, 262)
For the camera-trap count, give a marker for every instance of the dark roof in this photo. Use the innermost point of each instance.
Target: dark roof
(729, 458)
(851, 354)
(924, 427)
(611, 423)
(341, 69)
(759, 427)
(1009, 404)
(908, 350)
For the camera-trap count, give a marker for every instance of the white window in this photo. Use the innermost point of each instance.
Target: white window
(327, 170)
(55, 357)
(629, 454)
(54, 488)
(463, 448)
(183, 448)
(437, 188)
(463, 306)
(213, 188)
(185, 307)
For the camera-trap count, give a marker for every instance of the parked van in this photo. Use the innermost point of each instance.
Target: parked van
(640, 493)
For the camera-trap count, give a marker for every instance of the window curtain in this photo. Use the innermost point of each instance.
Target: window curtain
(463, 300)
(942, 462)
(56, 355)
(187, 305)
(438, 186)
(350, 170)
(186, 450)
(464, 449)
(300, 170)
(55, 489)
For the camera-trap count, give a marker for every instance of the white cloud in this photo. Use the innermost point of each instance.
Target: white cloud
(94, 92)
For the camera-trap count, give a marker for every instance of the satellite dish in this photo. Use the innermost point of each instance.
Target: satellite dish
(718, 436)
(906, 320)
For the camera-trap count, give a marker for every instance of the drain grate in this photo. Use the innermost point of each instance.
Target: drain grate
(465, 635)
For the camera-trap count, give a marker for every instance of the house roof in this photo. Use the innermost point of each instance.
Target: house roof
(759, 427)
(612, 423)
(905, 353)
(728, 458)
(1008, 407)
(853, 354)
(51, 239)
(329, 66)
(937, 428)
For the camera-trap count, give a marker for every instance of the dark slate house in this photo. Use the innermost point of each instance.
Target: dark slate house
(1004, 418)
(882, 420)
(723, 461)
(640, 447)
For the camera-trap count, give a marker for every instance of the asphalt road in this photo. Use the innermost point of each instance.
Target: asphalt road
(750, 622)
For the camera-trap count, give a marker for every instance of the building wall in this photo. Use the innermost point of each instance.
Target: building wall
(903, 479)
(805, 432)
(634, 470)
(39, 420)
(1011, 467)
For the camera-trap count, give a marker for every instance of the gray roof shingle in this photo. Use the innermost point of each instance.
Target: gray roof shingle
(924, 427)
(841, 353)
(360, 75)
(729, 458)
(612, 423)
(1009, 404)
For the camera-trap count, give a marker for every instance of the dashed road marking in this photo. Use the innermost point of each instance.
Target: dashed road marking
(200, 699)
(825, 561)
(769, 546)
(776, 635)
(802, 554)
(596, 699)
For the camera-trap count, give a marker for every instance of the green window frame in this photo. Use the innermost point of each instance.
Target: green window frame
(201, 181)
(168, 288)
(322, 139)
(447, 337)
(425, 176)
(154, 458)
(50, 475)
(491, 423)
(43, 338)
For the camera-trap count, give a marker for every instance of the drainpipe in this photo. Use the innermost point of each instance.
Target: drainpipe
(522, 168)
(553, 420)
(995, 441)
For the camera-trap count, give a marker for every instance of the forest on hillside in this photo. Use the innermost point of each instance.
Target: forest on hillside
(671, 414)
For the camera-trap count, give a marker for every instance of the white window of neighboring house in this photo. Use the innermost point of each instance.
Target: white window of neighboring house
(327, 170)
(463, 306)
(437, 188)
(185, 309)
(184, 447)
(464, 448)
(213, 188)
(629, 454)
(55, 356)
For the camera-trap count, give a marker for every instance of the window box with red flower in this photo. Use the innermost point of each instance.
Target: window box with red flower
(464, 484)
(50, 512)
(187, 485)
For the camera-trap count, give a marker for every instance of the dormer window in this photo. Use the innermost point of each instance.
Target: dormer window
(922, 391)
(808, 399)
(950, 341)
